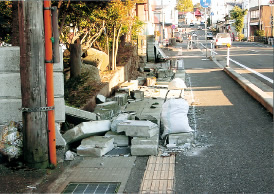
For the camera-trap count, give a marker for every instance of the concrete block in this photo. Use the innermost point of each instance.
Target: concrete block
(85, 115)
(119, 140)
(58, 67)
(10, 59)
(112, 105)
(154, 140)
(59, 104)
(147, 118)
(10, 110)
(144, 150)
(58, 84)
(100, 99)
(104, 114)
(137, 95)
(136, 128)
(180, 138)
(86, 129)
(120, 118)
(96, 146)
(60, 141)
(151, 81)
(121, 98)
(10, 84)
(162, 73)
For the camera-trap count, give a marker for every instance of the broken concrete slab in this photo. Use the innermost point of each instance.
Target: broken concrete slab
(135, 128)
(180, 138)
(154, 140)
(151, 81)
(121, 98)
(112, 105)
(144, 150)
(119, 140)
(96, 146)
(60, 141)
(86, 129)
(80, 114)
(120, 118)
(104, 114)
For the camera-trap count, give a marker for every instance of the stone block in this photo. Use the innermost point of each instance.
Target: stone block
(180, 138)
(96, 146)
(86, 129)
(144, 150)
(137, 95)
(154, 140)
(120, 118)
(85, 115)
(119, 140)
(58, 67)
(136, 128)
(58, 78)
(162, 73)
(112, 105)
(121, 98)
(100, 99)
(59, 104)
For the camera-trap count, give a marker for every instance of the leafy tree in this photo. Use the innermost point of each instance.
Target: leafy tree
(238, 15)
(5, 20)
(185, 5)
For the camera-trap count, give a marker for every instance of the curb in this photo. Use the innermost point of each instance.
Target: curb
(253, 90)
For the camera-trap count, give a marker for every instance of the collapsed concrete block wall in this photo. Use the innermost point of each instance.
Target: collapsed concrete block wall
(10, 84)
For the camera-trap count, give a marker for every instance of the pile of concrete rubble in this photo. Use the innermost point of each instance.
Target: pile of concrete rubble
(120, 122)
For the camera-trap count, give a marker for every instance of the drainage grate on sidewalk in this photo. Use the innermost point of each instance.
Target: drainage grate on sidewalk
(92, 188)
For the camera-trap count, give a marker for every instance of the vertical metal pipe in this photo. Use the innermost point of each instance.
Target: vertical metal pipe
(49, 82)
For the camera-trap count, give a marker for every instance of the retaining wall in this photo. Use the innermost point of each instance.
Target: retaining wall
(10, 86)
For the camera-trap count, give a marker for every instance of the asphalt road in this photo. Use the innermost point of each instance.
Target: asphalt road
(234, 148)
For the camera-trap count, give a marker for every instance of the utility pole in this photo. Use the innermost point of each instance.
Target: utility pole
(33, 84)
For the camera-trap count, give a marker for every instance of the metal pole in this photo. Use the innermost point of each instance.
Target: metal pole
(163, 22)
(227, 59)
(206, 29)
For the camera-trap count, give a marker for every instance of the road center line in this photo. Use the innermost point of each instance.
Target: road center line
(253, 71)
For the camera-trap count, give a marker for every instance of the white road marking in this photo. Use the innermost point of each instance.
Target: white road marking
(253, 71)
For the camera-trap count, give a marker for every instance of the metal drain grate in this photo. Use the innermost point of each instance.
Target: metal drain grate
(92, 188)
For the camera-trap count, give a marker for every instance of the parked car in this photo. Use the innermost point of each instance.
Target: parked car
(178, 36)
(222, 39)
(209, 36)
(191, 24)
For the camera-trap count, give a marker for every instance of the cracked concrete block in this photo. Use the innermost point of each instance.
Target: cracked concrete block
(119, 140)
(86, 115)
(96, 146)
(180, 138)
(144, 150)
(135, 128)
(86, 129)
(120, 118)
(104, 114)
(112, 105)
(154, 140)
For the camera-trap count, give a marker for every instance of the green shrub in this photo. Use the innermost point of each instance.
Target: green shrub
(259, 33)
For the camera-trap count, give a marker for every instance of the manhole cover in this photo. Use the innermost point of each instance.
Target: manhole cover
(92, 188)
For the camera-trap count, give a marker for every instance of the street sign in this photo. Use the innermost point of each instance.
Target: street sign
(173, 26)
(212, 13)
(205, 3)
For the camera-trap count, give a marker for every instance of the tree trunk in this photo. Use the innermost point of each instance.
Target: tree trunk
(75, 59)
(113, 50)
(33, 86)
(117, 44)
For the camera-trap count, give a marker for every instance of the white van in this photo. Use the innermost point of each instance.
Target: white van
(222, 39)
